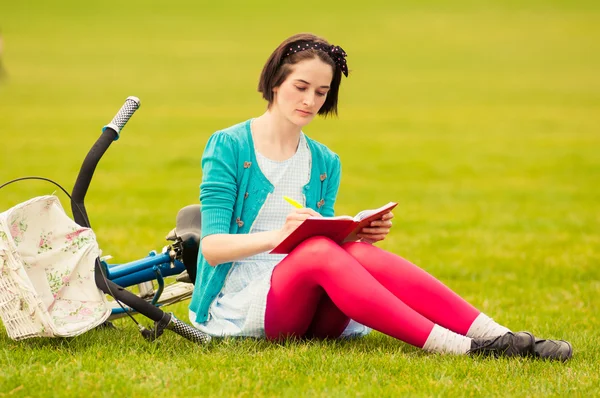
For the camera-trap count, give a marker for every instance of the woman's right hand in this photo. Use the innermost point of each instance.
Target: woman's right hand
(293, 220)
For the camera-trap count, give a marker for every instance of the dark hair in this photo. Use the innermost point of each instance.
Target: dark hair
(279, 67)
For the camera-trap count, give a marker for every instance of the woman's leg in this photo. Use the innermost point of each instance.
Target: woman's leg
(328, 321)
(422, 292)
(317, 267)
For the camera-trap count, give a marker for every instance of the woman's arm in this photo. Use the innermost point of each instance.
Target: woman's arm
(218, 190)
(223, 248)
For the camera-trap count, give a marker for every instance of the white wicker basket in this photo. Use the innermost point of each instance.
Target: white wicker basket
(47, 286)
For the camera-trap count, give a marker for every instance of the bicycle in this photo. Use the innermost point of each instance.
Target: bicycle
(177, 259)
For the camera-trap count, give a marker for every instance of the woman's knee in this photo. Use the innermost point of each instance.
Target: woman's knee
(317, 246)
(320, 252)
(369, 256)
(357, 249)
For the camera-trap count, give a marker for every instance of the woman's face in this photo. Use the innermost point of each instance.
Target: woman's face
(303, 93)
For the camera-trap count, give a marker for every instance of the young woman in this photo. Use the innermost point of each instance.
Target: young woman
(320, 289)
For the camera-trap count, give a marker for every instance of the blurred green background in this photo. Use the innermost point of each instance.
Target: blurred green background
(481, 118)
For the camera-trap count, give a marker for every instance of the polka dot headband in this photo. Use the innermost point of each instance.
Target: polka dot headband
(335, 52)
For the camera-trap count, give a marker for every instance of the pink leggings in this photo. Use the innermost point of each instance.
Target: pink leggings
(320, 286)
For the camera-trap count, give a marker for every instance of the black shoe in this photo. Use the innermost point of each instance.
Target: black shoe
(555, 350)
(519, 344)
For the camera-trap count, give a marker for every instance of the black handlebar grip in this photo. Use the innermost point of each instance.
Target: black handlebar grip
(122, 117)
(185, 330)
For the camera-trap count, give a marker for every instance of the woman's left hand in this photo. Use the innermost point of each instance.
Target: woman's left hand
(378, 229)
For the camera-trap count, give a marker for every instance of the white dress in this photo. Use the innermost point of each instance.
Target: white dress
(239, 309)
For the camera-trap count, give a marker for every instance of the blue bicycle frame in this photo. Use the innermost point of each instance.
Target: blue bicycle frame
(153, 267)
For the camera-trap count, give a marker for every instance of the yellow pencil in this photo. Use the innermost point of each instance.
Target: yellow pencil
(292, 202)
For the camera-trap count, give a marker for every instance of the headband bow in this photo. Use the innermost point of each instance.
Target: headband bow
(337, 54)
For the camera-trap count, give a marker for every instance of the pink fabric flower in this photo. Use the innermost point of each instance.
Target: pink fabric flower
(86, 311)
(74, 234)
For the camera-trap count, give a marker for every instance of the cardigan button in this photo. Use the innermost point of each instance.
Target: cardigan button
(246, 195)
(239, 222)
(320, 203)
(323, 177)
(247, 165)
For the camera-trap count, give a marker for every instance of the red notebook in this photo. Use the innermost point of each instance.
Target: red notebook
(339, 229)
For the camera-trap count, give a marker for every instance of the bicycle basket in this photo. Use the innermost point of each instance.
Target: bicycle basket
(47, 286)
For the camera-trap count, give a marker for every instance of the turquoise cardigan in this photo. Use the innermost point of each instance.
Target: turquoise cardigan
(233, 191)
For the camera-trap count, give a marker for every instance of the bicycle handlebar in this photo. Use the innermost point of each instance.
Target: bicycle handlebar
(110, 133)
(122, 117)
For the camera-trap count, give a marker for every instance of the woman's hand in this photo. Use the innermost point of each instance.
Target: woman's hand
(378, 229)
(293, 220)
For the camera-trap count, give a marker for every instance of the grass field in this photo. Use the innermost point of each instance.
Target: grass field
(482, 119)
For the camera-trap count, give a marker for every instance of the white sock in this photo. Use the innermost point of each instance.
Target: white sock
(483, 326)
(445, 341)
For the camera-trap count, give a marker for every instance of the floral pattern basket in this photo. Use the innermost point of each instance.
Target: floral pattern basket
(47, 286)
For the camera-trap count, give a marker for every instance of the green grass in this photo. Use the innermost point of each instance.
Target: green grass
(481, 118)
